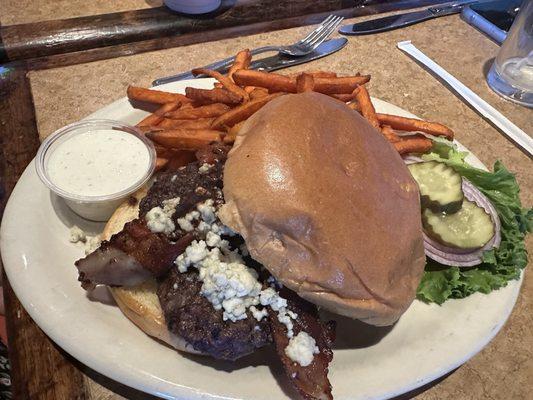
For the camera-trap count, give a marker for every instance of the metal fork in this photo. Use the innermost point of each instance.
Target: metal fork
(308, 43)
(298, 49)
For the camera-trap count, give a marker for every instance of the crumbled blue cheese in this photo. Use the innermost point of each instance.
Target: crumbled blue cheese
(204, 227)
(231, 286)
(223, 230)
(194, 253)
(214, 240)
(185, 222)
(273, 283)
(169, 206)
(207, 210)
(92, 243)
(204, 168)
(258, 314)
(227, 282)
(159, 220)
(301, 349)
(77, 235)
(269, 297)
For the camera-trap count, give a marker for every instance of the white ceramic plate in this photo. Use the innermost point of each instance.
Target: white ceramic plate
(369, 362)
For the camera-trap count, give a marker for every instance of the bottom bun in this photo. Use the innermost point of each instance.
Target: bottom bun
(140, 303)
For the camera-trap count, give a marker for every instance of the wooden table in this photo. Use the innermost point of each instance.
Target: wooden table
(52, 43)
(43, 371)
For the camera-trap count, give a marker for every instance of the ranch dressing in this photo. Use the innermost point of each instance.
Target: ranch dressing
(98, 163)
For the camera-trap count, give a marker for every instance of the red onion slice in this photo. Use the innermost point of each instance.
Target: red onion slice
(466, 258)
(459, 257)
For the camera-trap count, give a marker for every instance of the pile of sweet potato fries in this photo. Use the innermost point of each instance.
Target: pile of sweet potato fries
(185, 123)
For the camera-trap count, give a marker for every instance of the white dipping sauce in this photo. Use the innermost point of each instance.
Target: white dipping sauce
(97, 163)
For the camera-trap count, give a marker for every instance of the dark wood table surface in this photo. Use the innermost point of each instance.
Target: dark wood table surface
(41, 370)
(53, 43)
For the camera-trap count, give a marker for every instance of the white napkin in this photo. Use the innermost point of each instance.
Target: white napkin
(513, 132)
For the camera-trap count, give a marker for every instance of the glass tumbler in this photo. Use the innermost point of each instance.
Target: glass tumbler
(511, 75)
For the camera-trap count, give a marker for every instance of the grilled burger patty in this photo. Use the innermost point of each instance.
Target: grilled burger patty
(187, 312)
(192, 316)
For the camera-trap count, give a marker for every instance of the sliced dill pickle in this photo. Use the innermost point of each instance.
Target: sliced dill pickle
(469, 228)
(439, 186)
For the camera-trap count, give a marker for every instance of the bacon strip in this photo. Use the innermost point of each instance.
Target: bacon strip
(312, 381)
(130, 257)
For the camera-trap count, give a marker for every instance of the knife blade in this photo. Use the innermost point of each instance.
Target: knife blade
(272, 63)
(399, 21)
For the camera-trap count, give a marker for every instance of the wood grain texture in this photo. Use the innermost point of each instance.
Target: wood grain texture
(82, 33)
(72, 41)
(29, 349)
(28, 11)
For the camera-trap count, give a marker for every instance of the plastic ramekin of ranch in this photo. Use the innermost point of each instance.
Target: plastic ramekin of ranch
(94, 165)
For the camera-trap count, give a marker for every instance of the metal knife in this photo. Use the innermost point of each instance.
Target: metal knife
(401, 20)
(272, 63)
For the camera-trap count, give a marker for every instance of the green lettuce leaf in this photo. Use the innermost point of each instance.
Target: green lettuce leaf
(500, 265)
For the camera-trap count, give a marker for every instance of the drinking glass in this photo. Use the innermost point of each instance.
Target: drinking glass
(511, 74)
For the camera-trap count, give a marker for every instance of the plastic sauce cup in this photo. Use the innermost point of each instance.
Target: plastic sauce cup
(89, 155)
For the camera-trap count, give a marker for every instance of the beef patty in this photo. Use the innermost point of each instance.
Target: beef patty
(187, 312)
(191, 316)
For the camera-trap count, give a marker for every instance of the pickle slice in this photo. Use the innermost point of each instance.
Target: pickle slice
(469, 228)
(439, 186)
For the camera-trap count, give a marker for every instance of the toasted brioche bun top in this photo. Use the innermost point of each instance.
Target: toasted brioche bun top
(327, 205)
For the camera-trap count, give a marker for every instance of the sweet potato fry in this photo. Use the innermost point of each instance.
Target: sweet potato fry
(179, 158)
(258, 93)
(154, 96)
(168, 123)
(389, 134)
(280, 83)
(200, 123)
(242, 61)
(204, 96)
(339, 85)
(272, 82)
(162, 152)
(227, 82)
(305, 83)
(323, 74)
(185, 139)
(411, 124)
(242, 112)
(344, 97)
(160, 163)
(249, 89)
(316, 74)
(210, 110)
(158, 115)
(413, 144)
(232, 133)
(367, 109)
(150, 128)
